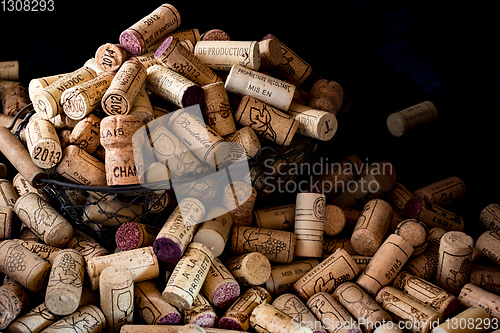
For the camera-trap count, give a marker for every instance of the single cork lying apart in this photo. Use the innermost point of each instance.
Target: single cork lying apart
(411, 118)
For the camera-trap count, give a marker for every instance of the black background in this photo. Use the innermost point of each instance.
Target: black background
(387, 55)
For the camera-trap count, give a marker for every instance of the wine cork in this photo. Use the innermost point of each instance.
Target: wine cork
(427, 293)
(7, 221)
(142, 107)
(222, 54)
(34, 320)
(398, 196)
(415, 233)
(411, 118)
(335, 220)
(64, 288)
(326, 96)
(277, 217)
(266, 318)
(237, 317)
(116, 137)
(216, 110)
(43, 143)
(489, 244)
(188, 276)
(277, 126)
(151, 306)
(88, 318)
(133, 235)
(174, 87)
(80, 167)
(86, 245)
(111, 212)
(331, 244)
(62, 121)
(283, 277)
(293, 67)
(385, 265)
(361, 306)
(417, 317)
(173, 55)
(292, 306)
(141, 262)
(9, 70)
(309, 224)
(8, 195)
(220, 286)
(337, 268)
(44, 251)
(214, 233)
(239, 198)
(424, 265)
(109, 57)
(371, 227)
(11, 301)
(472, 295)
(201, 313)
(37, 85)
(250, 269)
(23, 266)
(472, 320)
(38, 215)
(432, 215)
(332, 314)
(490, 217)
(80, 100)
(243, 81)
(116, 289)
(22, 186)
(314, 123)
(47, 102)
(153, 27)
(455, 258)
(443, 192)
(178, 230)
(486, 277)
(86, 134)
(244, 137)
(271, 54)
(278, 246)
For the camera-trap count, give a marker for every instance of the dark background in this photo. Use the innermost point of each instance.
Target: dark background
(387, 55)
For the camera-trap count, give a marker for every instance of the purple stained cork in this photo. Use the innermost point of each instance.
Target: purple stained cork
(413, 208)
(220, 286)
(229, 324)
(131, 42)
(205, 320)
(225, 294)
(170, 319)
(132, 235)
(168, 250)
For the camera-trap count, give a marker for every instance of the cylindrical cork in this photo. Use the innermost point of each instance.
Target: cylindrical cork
(278, 126)
(332, 314)
(133, 235)
(116, 289)
(86, 133)
(116, 137)
(215, 34)
(220, 286)
(43, 143)
(216, 110)
(22, 186)
(278, 246)
(371, 227)
(38, 215)
(314, 123)
(339, 267)
(109, 57)
(7, 221)
(243, 81)
(9, 70)
(490, 217)
(37, 85)
(486, 277)
(277, 217)
(79, 101)
(239, 198)
(214, 232)
(326, 96)
(23, 266)
(432, 215)
(124, 87)
(175, 56)
(335, 220)
(65, 285)
(88, 318)
(293, 67)
(142, 263)
(222, 54)
(266, 318)
(489, 244)
(415, 233)
(11, 303)
(424, 265)
(271, 54)
(283, 277)
(142, 107)
(188, 276)
(418, 317)
(47, 102)
(111, 212)
(292, 306)
(79, 166)
(309, 224)
(442, 192)
(250, 269)
(455, 259)
(427, 293)
(8, 195)
(331, 244)
(472, 295)
(245, 137)
(151, 28)
(411, 118)
(178, 230)
(361, 306)
(238, 315)
(385, 265)
(174, 87)
(201, 313)
(44, 251)
(151, 306)
(398, 196)
(86, 245)
(472, 320)
(34, 320)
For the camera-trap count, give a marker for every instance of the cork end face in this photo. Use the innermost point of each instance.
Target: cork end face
(229, 324)
(170, 319)
(176, 300)
(167, 250)
(192, 96)
(128, 236)
(226, 294)
(164, 46)
(450, 307)
(205, 320)
(62, 303)
(395, 124)
(256, 268)
(132, 42)
(413, 208)
(365, 243)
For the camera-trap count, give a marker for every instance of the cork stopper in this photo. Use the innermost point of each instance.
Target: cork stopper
(284, 276)
(86, 133)
(251, 269)
(116, 289)
(309, 224)
(489, 244)
(214, 233)
(216, 110)
(215, 34)
(313, 123)
(415, 233)
(109, 57)
(335, 220)
(153, 309)
(328, 310)
(326, 95)
(411, 118)
(271, 54)
(239, 198)
(221, 55)
(266, 318)
(220, 286)
(43, 143)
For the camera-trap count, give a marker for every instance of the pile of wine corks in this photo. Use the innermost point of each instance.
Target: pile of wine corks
(355, 251)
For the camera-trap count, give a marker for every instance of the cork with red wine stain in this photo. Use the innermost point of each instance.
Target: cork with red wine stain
(432, 215)
(220, 286)
(133, 235)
